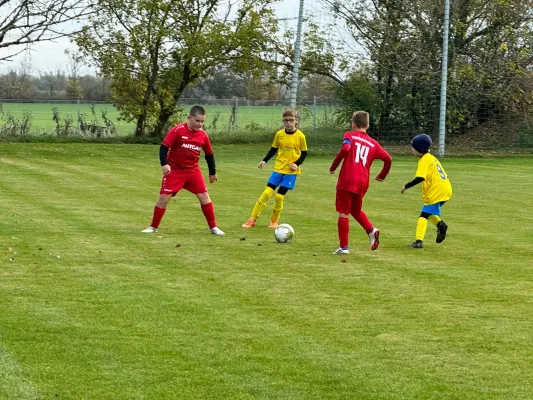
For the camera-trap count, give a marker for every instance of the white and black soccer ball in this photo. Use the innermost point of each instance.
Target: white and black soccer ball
(284, 233)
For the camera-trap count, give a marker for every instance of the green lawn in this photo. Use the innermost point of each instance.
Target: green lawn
(218, 116)
(90, 308)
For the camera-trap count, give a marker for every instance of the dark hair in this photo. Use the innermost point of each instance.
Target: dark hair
(361, 119)
(197, 110)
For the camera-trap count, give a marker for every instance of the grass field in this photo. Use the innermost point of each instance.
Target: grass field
(90, 308)
(218, 116)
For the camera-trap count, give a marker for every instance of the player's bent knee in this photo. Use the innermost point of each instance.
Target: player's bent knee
(163, 200)
(267, 194)
(204, 198)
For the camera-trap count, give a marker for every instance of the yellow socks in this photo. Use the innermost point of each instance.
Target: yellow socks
(434, 219)
(421, 226)
(278, 206)
(262, 201)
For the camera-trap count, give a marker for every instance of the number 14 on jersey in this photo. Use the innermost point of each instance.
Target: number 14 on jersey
(361, 153)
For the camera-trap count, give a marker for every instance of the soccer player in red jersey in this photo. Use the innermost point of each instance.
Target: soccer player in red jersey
(358, 151)
(179, 154)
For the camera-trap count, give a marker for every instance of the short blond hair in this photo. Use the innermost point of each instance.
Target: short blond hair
(361, 119)
(290, 112)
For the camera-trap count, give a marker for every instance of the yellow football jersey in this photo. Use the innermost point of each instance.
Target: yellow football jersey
(290, 147)
(436, 186)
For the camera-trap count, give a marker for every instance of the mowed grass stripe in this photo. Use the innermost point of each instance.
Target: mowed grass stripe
(14, 384)
(381, 325)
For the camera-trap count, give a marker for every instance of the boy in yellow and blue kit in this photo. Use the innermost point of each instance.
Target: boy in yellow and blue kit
(291, 148)
(436, 190)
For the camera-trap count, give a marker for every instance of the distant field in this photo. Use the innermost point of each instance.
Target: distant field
(42, 114)
(218, 117)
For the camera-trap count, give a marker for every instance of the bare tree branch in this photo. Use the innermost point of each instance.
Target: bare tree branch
(24, 22)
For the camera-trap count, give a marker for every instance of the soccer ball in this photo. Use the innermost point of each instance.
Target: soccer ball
(284, 233)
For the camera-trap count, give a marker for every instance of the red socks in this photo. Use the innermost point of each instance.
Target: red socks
(209, 213)
(207, 209)
(343, 226)
(158, 215)
(364, 222)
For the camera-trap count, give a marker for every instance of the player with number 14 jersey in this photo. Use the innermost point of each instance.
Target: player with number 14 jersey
(357, 154)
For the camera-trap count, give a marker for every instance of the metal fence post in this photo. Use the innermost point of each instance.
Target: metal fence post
(314, 113)
(444, 79)
(78, 124)
(236, 113)
(296, 66)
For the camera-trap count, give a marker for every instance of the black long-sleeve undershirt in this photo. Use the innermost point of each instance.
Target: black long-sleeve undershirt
(271, 153)
(414, 182)
(300, 161)
(210, 159)
(163, 151)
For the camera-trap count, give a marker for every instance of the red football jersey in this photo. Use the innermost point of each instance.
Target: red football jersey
(185, 145)
(355, 170)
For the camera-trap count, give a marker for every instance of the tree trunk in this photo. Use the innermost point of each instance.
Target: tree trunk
(139, 128)
(162, 122)
(384, 118)
(167, 110)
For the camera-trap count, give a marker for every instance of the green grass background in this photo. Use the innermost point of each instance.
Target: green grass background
(90, 308)
(218, 116)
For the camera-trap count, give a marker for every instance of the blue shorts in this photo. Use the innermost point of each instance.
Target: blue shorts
(433, 209)
(283, 180)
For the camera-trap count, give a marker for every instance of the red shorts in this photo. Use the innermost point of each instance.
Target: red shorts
(191, 180)
(348, 202)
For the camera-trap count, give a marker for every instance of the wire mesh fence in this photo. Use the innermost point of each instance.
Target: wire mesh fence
(223, 115)
(325, 120)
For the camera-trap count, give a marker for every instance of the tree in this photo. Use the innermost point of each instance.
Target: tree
(46, 82)
(223, 84)
(75, 60)
(152, 50)
(94, 88)
(319, 86)
(400, 42)
(74, 90)
(25, 22)
(51, 83)
(322, 54)
(16, 85)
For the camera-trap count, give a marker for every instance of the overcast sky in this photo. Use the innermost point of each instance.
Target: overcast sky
(49, 56)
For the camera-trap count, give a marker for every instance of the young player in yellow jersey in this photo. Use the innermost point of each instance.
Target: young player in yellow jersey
(291, 148)
(436, 190)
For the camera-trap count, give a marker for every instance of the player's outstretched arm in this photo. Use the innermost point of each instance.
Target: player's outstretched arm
(387, 163)
(414, 182)
(343, 152)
